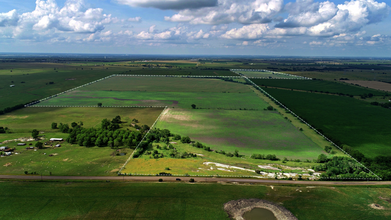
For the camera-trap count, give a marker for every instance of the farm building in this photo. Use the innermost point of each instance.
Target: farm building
(3, 148)
(56, 139)
(58, 145)
(8, 154)
(12, 86)
(21, 144)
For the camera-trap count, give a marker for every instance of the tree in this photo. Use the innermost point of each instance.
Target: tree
(186, 140)
(2, 130)
(258, 171)
(54, 125)
(74, 124)
(39, 145)
(270, 108)
(322, 158)
(177, 137)
(100, 104)
(35, 133)
(236, 154)
(193, 106)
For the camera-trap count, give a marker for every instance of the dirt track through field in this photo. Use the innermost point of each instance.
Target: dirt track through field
(371, 84)
(197, 179)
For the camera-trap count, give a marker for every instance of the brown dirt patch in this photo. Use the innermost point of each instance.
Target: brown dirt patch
(371, 84)
(7, 164)
(65, 160)
(376, 206)
(237, 208)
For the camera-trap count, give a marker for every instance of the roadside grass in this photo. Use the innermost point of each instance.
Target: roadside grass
(250, 132)
(32, 80)
(97, 200)
(352, 122)
(68, 160)
(26, 119)
(318, 86)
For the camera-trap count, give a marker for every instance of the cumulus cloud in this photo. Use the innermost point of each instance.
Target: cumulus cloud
(229, 11)
(253, 31)
(306, 13)
(9, 19)
(136, 19)
(169, 4)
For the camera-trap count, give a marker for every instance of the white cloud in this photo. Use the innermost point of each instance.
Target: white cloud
(252, 31)
(9, 19)
(169, 4)
(136, 19)
(229, 11)
(306, 13)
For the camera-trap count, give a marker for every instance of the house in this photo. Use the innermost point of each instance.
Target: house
(3, 148)
(58, 145)
(21, 144)
(29, 148)
(56, 139)
(8, 153)
(12, 86)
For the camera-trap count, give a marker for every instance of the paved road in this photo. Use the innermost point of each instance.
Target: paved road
(197, 179)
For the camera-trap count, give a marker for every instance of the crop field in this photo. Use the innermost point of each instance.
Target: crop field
(27, 119)
(372, 84)
(267, 74)
(156, 91)
(182, 71)
(34, 81)
(352, 122)
(251, 132)
(318, 86)
(116, 200)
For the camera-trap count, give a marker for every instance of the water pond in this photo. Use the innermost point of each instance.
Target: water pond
(259, 214)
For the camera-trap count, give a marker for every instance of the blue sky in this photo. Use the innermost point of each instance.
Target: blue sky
(210, 27)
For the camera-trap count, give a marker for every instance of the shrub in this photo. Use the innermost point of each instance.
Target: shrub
(160, 180)
(191, 180)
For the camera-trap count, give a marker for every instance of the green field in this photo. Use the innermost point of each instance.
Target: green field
(157, 91)
(32, 80)
(183, 71)
(250, 132)
(352, 122)
(68, 159)
(27, 119)
(318, 86)
(267, 74)
(73, 200)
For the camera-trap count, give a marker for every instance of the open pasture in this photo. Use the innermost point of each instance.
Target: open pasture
(67, 160)
(116, 200)
(157, 91)
(182, 71)
(267, 74)
(34, 81)
(250, 132)
(352, 122)
(27, 119)
(318, 86)
(166, 84)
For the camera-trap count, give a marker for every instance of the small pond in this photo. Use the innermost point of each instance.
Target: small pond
(259, 214)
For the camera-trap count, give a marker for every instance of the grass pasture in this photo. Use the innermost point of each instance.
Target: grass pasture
(250, 132)
(27, 119)
(32, 80)
(318, 86)
(353, 122)
(157, 91)
(88, 200)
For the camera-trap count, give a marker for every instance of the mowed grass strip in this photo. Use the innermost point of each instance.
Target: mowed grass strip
(83, 200)
(27, 119)
(355, 123)
(250, 132)
(317, 85)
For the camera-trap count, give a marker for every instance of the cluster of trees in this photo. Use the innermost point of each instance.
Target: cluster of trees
(4, 130)
(264, 157)
(384, 105)
(10, 109)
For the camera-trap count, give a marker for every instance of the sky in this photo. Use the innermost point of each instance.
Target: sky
(199, 27)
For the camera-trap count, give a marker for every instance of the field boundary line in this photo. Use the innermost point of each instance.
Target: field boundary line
(153, 125)
(302, 120)
(274, 72)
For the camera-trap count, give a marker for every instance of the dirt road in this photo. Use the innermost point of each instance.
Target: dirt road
(186, 179)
